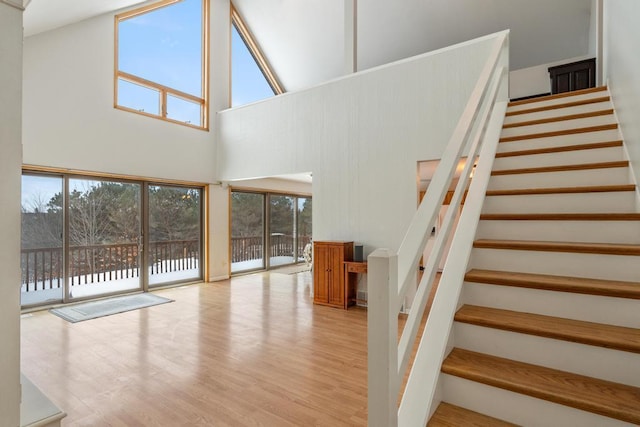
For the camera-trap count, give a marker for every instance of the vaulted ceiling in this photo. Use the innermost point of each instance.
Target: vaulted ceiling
(303, 39)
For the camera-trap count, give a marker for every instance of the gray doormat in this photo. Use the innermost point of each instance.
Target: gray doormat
(294, 269)
(94, 309)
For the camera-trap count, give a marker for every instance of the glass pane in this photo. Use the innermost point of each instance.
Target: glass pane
(183, 111)
(139, 98)
(281, 229)
(174, 234)
(164, 46)
(248, 84)
(304, 225)
(41, 257)
(104, 231)
(247, 231)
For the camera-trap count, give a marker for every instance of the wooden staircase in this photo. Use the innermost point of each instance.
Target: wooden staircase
(548, 329)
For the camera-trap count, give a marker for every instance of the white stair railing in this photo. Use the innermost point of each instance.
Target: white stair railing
(391, 274)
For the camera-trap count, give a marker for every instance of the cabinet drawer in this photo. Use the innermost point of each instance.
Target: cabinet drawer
(356, 267)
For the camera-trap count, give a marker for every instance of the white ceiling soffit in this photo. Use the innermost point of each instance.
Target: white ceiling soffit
(303, 39)
(45, 15)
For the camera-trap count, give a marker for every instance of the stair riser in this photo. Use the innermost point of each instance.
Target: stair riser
(518, 408)
(597, 362)
(561, 231)
(558, 126)
(596, 266)
(547, 114)
(578, 178)
(610, 154)
(617, 201)
(589, 308)
(558, 141)
(558, 101)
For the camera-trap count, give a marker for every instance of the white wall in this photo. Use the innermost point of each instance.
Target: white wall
(70, 122)
(622, 63)
(535, 80)
(10, 159)
(361, 136)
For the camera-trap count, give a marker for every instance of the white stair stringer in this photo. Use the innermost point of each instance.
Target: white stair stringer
(518, 408)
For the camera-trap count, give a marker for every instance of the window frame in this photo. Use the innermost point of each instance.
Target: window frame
(163, 90)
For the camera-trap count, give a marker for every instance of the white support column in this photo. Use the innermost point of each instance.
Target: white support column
(10, 171)
(599, 41)
(350, 36)
(382, 338)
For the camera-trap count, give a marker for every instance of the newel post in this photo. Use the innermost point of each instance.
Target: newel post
(382, 339)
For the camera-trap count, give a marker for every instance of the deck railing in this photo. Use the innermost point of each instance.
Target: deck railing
(252, 247)
(42, 268)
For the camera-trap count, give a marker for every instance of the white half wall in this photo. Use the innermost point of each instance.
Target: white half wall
(622, 63)
(361, 136)
(10, 162)
(70, 121)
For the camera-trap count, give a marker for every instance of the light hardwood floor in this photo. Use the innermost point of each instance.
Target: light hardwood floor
(252, 351)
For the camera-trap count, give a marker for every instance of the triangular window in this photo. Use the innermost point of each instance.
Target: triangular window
(251, 76)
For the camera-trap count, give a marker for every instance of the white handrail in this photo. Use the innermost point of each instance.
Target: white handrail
(391, 274)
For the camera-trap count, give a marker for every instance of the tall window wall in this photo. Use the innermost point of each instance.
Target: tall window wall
(268, 230)
(84, 237)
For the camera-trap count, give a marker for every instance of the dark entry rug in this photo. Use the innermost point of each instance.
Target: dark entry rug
(94, 309)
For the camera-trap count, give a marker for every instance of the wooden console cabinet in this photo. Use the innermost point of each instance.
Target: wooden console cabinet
(329, 287)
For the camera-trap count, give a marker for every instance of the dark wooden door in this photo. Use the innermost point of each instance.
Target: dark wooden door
(575, 76)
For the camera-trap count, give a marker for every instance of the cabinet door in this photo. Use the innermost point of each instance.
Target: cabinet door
(336, 287)
(321, 275)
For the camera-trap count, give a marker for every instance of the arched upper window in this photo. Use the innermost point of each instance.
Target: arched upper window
(161, 61)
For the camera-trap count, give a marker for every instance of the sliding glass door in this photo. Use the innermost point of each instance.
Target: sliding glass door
(104, 237)
(247, 231)
(84, 237)
(303, 225)
(41, 254)
(281, 230)
(173, 253)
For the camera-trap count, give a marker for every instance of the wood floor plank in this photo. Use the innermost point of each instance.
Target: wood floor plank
(562, 132)
(559, 118)
(606, 398)
(559, 149)
(596, 334)
(249, 351)
(611, 288)
(448, 415)
(573, 247)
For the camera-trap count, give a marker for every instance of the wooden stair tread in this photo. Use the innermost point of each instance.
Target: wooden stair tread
(623, 216)
(579, 285)
(573, 247)
(448, 415)
(562, 168)
(559, 106)
(560, 149)
(596, 334)
(557, 96)
(602, 397)
(562, 190)
(562, 132)
(559, 118)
